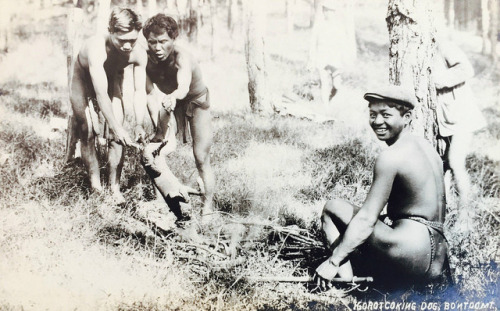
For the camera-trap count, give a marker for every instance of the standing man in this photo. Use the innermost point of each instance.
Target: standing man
(406, 246)
(179, 90)
(457, 114)
(96, 94)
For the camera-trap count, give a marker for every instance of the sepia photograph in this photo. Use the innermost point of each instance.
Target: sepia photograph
(249, 155)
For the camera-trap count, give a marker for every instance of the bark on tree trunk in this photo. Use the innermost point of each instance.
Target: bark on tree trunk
(494, 29)
(255, 56)
(412, 47)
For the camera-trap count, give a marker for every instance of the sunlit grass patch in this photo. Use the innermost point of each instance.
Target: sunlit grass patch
(345, 164)
(42, 100)
(265, 174)
(485, 174)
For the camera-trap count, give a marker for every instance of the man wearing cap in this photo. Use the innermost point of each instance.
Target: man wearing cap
(406, 245)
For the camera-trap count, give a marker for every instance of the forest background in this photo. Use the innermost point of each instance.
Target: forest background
(64, 248)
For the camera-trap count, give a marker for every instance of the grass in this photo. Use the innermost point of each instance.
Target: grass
(68, 248)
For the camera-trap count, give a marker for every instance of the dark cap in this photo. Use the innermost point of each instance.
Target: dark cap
(396, 93)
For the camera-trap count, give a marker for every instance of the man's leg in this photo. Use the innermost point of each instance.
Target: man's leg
(336, 216)
(116, 154)
(459, 148)
(405, 248)
(82, 126)
(201, 132)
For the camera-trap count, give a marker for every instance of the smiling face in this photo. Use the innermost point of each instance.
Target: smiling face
(124, 41)
(387, 121)
(160, 45)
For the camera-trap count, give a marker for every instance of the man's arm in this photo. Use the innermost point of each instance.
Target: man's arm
(140, 97)
(459, 68)
(363, 223)
(96, 58)
(184, 76)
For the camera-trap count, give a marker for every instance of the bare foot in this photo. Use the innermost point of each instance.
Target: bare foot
(117, 196)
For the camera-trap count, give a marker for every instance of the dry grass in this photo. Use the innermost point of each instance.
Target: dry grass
(66, 248)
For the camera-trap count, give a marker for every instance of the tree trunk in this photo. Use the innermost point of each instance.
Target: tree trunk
(171, 9)
(103, 16)
(5, 24)
(213, 12)
(193, 20)
(139, 8)
(75, 39)
(152, 8)
(412, 47)
(485, 24)
(289, 16)
(255, 56)
(232, 15)
(494, 29)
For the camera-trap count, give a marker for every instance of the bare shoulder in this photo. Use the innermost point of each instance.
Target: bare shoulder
(139, 56)
(416, 147)
(183, 56)
(95, 47)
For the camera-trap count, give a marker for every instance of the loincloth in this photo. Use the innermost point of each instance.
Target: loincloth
(96, 121)
(437, 239)
(184, 111)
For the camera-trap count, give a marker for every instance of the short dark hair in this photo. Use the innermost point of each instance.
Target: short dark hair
(403, 109)
(124, 20)
(161, 23)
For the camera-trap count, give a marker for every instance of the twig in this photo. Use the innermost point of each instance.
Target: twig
(490, 212)
(208, 250)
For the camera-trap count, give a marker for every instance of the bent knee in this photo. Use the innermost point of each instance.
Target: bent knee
(202, 157)
(338, 210)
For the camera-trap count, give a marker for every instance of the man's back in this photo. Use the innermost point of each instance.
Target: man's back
(418, 188)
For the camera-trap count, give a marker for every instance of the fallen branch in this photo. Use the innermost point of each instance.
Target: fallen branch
(306, 279)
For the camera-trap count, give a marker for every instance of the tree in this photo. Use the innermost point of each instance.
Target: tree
(494, 29)
(5, 19)
(152, 8)
(213, 14)
(449, 9)
(485, 24)
(103, 16)
(232, 15)
(255, 56)
(412, 46)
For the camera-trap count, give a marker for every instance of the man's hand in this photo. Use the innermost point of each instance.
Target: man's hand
(325, 273)
(140, 133)
(169, 102)
(122, 136)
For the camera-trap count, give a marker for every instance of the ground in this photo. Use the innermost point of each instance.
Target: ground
(65, 248)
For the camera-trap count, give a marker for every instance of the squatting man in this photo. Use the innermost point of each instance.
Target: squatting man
(407, 245)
